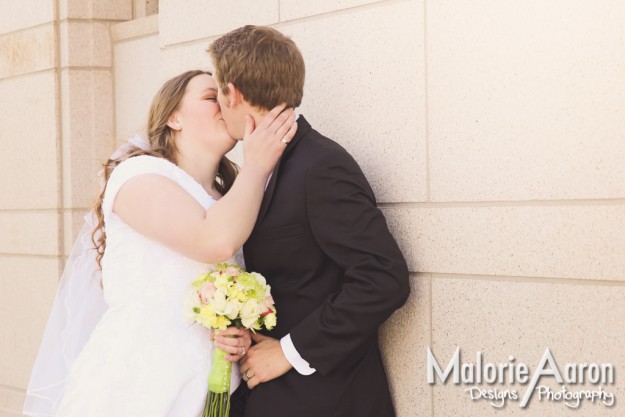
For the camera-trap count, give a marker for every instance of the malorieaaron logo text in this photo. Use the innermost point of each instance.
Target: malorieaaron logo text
(514, 372)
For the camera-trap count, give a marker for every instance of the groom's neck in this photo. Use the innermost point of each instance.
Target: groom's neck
(257, 115)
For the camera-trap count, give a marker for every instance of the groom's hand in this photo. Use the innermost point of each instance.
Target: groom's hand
(264, 361)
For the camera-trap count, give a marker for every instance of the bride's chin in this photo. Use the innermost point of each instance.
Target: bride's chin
(233, 140)
(233, 143)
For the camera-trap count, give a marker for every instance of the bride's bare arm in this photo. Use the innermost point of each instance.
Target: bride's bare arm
(160, 209)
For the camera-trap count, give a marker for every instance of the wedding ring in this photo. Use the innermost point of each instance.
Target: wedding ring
(286, 142)
(247, 376)
(242, 351)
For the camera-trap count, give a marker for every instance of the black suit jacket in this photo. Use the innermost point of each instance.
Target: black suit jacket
(336, 275)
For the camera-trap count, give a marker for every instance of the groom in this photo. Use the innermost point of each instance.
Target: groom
(335, 271)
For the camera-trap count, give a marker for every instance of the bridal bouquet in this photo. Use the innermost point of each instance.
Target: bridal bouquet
(229, 296)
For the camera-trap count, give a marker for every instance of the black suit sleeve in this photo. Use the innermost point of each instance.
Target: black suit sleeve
(352, 232)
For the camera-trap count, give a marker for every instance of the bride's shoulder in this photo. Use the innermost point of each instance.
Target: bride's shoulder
(143, 164)
(133, 167)
(139, 165)
(145, 160)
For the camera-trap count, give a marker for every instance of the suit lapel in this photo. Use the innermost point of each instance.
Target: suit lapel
(302, 128)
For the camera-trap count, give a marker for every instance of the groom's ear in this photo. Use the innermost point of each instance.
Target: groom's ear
(235, 97)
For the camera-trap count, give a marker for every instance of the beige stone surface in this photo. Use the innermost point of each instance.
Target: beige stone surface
(136, 28)
(533, 241)
(85, 43)
(27, 51)
(88, 132)
(510, 105)
(142, 8)
(27, 288)
(526, 100)
(16, 15)
(294, 9)
(180, 58)
(404, 338)
(137, 78)
(578, 323)
(29, 232)
(96, 9)
(365, 89)
(195, 19)
(236, 154)
(4, 413)
(11, 402)
(29, 137)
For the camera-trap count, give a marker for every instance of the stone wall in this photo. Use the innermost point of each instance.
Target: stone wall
(492, 134)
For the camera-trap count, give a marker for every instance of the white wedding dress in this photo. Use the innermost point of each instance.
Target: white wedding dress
(144, 358)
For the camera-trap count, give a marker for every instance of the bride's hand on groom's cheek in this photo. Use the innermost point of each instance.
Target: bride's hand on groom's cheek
(264, 144)
(264, 361)
(235, 342)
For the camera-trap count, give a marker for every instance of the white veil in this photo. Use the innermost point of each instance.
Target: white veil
(78, 306)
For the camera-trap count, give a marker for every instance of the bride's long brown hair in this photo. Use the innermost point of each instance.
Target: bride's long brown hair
(162, 144)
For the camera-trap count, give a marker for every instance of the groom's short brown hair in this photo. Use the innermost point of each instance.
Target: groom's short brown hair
(265, 65)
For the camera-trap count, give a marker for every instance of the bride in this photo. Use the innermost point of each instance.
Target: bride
(170, 207)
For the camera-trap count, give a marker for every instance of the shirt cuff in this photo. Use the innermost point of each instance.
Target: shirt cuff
(294, 358)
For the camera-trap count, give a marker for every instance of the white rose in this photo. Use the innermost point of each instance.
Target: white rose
(249, 313)
(234, 307)
(220, 305)
(270, 321)
(259, 278)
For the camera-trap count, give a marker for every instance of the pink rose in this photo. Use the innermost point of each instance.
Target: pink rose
(266, 305)
(207, 291)
(231, 271)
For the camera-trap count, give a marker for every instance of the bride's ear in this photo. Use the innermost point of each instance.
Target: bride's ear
(174, 123)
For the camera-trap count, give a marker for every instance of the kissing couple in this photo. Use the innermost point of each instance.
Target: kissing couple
(299, 211)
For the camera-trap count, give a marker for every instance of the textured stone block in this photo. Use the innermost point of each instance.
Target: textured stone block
(180, 58)
(142, 8)
(365, 88)
(27, 289)
(135, 89)
(85, 44)
(403, 339)
(197, 19)
(22, 14)
(27, 51)
(532, 241)
(29, 172)
(11, 402)
(88, 132)
(524, 102)
(294, 9)
(96, 9)
(578, 323)
(29, 232)
(136, 28)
